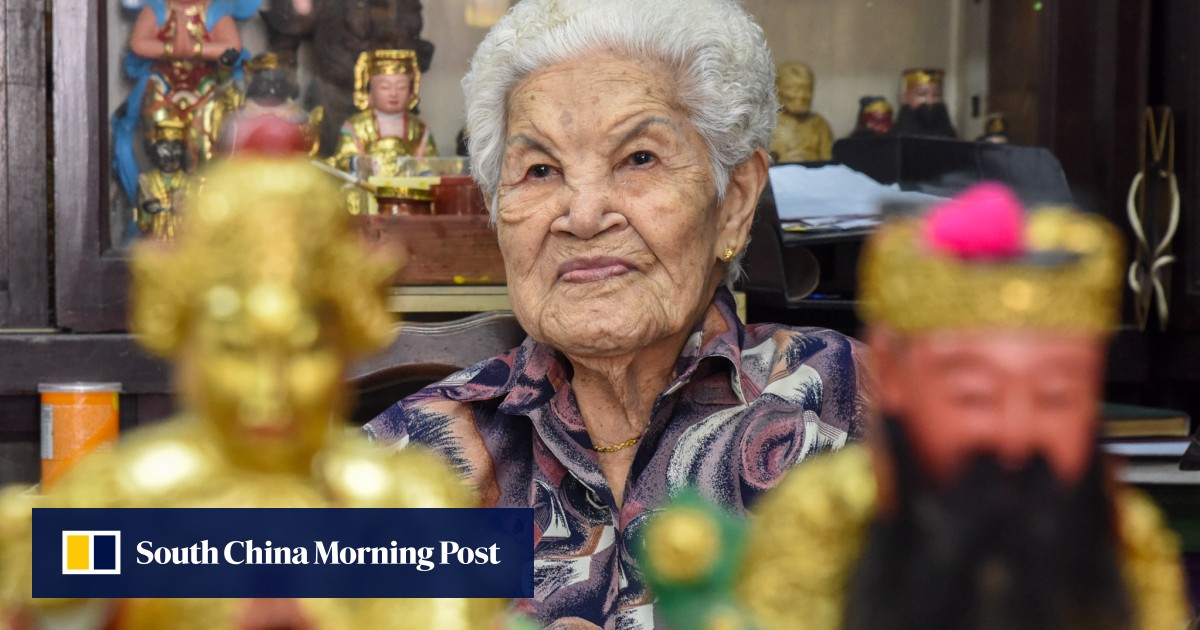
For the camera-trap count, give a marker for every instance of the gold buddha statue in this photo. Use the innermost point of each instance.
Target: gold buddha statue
(801, 135)
(261, 303)
(982, 499)
(386, 85)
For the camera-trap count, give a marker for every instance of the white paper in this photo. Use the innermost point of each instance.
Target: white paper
(833, 191)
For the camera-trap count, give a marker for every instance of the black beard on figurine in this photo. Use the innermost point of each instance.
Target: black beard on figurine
(930, 120)
(998, 550)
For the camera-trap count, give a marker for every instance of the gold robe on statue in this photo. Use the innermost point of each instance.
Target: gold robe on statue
(361, 131)
(801, 138)
(155, 213)
(808, 533)
(176, 464)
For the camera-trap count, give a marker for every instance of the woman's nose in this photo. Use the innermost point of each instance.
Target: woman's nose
(590, 212)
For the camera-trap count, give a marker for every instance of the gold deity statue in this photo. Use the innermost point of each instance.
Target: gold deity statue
(261, 302)
(386, 85)
(801, 135)
(160, 190)
(189, 42)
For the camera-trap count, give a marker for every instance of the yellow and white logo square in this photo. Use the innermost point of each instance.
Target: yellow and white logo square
(91, 552)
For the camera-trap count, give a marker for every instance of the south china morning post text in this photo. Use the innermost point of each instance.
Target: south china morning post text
(335, 552)
(320, 552)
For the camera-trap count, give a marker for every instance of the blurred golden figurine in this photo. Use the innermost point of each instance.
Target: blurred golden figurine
(386, 86)
(160, 190)
(923, 111)
(271, 90)
(983, 499)
(261, 302)
(801, 135)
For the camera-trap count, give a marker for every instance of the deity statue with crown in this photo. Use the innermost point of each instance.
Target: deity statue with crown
(386, 85)
(982, 499)
(271, 90)
(922, 110)
(262, 312)
(874, 118)
(183, 56)
(160, 190)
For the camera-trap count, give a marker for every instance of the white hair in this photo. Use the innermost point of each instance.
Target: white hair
(714, 49)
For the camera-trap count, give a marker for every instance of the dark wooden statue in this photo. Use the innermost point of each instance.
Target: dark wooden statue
(340, 30)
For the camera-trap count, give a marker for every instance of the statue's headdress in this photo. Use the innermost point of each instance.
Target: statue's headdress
(372, 63)
(170, 129)
(265, 61)
(874, 105)
(996, 125)
(980, 261)
(922, 76)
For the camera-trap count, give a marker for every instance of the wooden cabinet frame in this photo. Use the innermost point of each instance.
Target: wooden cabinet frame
(24, 267)
(91, 282)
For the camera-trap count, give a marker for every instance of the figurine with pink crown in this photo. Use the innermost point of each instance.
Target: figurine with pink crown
(982, 499)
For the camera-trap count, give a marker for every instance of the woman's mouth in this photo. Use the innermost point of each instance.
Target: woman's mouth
(581, 270)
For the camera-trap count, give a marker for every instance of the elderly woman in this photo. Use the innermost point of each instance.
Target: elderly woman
(621, 144)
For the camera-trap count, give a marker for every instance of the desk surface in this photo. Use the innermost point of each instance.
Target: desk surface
(800, 238)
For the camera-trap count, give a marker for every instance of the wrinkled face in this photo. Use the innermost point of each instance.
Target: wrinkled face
(796, 93)
(269, 385)
(1011, 393)
(390, 93)
(607, 211)
(923, 94)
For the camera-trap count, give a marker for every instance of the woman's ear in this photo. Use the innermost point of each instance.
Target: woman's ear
(741, 198)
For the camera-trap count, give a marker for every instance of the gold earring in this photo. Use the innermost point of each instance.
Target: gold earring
(728, 255)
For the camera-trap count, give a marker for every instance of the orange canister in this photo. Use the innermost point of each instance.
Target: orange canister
(77, 418)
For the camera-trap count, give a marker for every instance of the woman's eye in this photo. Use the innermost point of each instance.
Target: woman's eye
(540, 171)
(641, 158)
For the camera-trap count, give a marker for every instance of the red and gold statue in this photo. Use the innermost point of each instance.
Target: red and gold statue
(182, 56)
(982, 499)
(386, 85)
(271, 91)
(874, 117)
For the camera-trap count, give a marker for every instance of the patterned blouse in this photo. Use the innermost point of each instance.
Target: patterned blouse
(740, 411)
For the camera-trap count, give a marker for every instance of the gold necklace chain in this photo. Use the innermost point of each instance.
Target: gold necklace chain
(612, 448)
